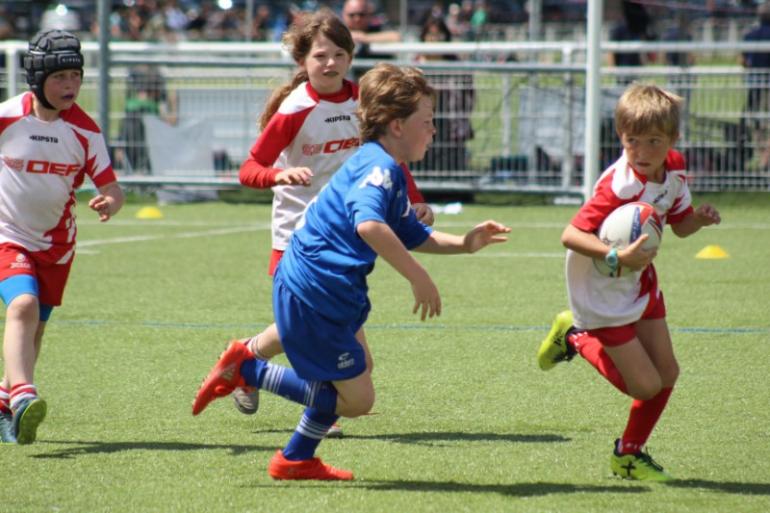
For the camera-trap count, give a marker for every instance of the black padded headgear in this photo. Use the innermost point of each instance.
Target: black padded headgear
(51, 51)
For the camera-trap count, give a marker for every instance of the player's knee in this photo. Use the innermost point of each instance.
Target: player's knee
(24, 308)
(669, 375)
(364, 406)
(646, 389)
(645, 393)
(361, 405)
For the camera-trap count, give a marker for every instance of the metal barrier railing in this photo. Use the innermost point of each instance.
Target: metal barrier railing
(510, 125)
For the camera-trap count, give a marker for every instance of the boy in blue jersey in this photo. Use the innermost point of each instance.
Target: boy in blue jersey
(320, 298)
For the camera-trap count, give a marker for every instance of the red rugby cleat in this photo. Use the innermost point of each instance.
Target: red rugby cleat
(224, 377)
(314, 468)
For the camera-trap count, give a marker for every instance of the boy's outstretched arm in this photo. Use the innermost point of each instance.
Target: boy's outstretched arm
(480, 236)
(704, 215)
(386, 244)
(108, 201)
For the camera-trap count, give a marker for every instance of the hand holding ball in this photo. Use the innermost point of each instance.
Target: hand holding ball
(625, 225)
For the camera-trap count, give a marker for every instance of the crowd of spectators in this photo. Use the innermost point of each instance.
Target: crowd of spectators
(175, 20)
(226, 20)
(156, 20)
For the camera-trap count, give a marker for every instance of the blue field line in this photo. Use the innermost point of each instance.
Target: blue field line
(250, 327)
(740, 331)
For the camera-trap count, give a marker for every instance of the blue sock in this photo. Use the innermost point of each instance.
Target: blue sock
(284, 381)
(252, 371)
(311, 430)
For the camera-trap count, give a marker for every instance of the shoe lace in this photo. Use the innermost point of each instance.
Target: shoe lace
(568, 351)
(647, 460)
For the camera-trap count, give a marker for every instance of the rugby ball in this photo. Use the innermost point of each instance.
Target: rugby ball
(623, 226)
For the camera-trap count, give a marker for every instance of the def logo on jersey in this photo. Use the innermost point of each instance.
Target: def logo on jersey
(330, 146)
(41, 167)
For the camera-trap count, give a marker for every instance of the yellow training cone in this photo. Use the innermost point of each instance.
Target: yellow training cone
(149, 213)
(712, 252)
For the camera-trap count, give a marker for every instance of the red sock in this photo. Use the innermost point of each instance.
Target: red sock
(592, 350)
(641, 421)
(22, 391)
(5, 400)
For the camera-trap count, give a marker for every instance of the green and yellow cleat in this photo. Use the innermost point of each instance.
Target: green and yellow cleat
(638, 467)
(554, 347)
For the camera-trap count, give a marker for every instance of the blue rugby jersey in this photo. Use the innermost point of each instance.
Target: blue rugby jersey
(326, 263)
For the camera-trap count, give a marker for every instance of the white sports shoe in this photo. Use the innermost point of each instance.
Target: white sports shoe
(246, 400)
(335, 431)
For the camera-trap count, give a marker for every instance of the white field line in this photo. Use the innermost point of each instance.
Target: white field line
(522, 254)
(182, 235)
(151, 223)
(440, 224)
(264, 226)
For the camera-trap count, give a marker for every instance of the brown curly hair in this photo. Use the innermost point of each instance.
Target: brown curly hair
(388, 92)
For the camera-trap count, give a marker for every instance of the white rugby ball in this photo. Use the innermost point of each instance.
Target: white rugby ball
(623, 226)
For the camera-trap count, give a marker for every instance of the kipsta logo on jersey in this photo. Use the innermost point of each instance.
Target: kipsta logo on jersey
(44, 138)
(334, 119)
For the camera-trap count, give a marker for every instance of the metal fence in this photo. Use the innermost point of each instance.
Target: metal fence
(502, 124)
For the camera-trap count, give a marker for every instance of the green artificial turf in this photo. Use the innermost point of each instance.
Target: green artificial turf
(464, 420)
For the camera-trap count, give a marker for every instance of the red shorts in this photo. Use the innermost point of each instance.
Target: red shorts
(51, 279)
(619, 335)
(275, 257)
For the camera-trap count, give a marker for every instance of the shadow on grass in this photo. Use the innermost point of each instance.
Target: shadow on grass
(723, 486)
(82, 448)
(536, 489)
(511, 490)
(435, 438)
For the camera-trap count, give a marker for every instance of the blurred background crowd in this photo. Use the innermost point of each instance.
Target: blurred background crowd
(227, 20)
(488, 124)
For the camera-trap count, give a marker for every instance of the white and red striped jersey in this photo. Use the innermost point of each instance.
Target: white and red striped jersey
(41, 165)
(599, 301)
(308, 130)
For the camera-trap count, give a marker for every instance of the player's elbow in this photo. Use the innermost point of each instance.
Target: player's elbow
(566, 236)
(367, 229)
(244, 174)
(680, 230)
